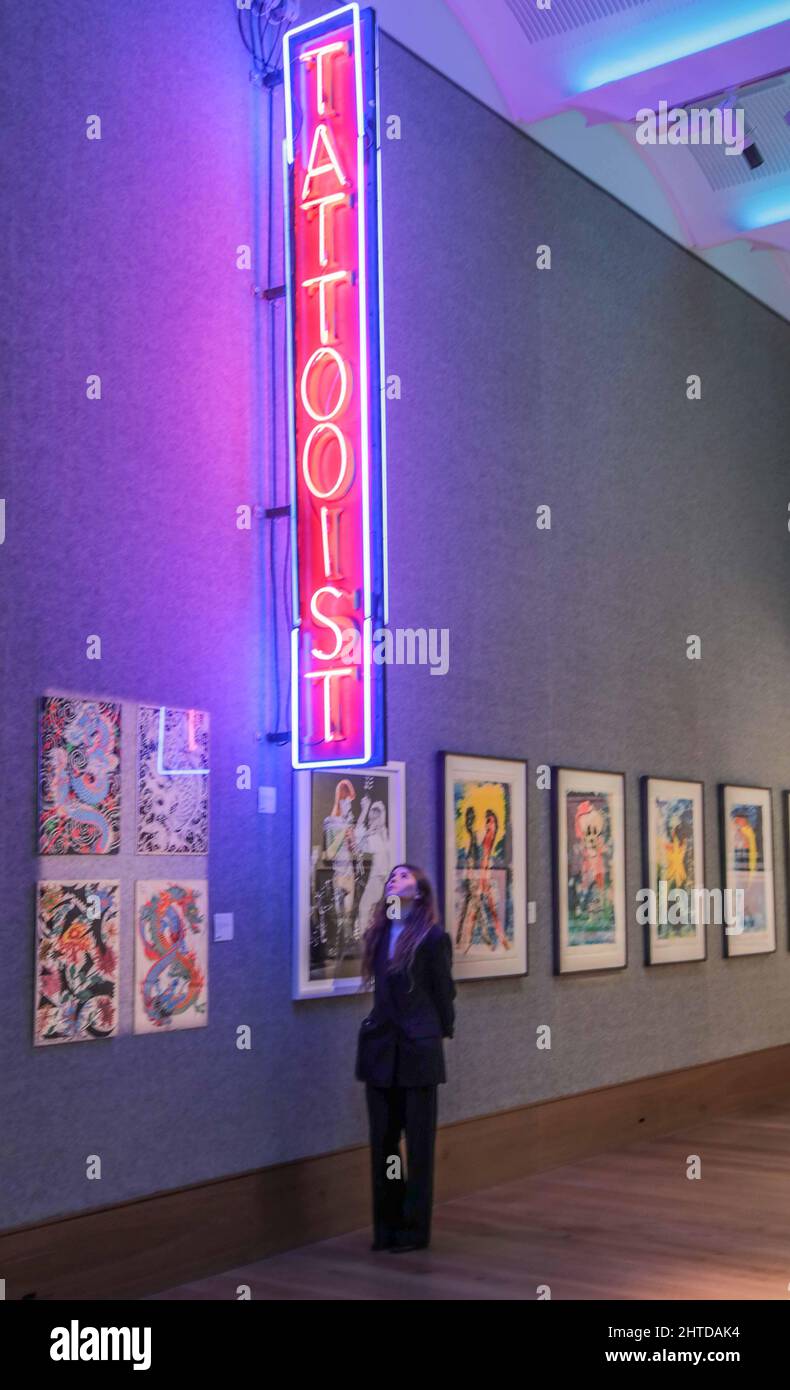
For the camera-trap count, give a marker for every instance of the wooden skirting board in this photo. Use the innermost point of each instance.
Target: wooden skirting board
(156, 1242)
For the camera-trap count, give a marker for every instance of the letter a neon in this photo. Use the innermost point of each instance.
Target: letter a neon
(331, 166)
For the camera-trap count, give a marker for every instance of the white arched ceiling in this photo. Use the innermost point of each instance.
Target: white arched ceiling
(573, 75)
(430, 29)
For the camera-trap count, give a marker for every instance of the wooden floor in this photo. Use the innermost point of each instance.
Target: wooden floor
(624, 1225)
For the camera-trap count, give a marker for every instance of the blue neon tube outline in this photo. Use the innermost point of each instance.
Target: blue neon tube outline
(160, 748)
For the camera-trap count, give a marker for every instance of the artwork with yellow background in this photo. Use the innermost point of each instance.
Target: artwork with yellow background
(483, 898)
(674, 857)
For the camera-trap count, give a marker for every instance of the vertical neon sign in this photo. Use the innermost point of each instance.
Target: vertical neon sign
(333, 271)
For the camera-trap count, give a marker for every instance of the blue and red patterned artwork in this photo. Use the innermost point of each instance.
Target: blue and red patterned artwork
(170, 956)
(79, 777)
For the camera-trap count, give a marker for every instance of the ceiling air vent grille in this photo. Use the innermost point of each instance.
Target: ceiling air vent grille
(765, 107)
(567, 15)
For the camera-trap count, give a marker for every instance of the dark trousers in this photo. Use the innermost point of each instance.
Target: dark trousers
(402, 1206)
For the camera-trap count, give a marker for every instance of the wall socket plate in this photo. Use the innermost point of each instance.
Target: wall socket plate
(223, 926)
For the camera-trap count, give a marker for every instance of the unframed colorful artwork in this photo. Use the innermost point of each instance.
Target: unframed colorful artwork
(172, 781)
(79, 776)
(76, 961)
(170, 955)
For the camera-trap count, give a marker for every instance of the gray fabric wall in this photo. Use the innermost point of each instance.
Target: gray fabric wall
(519, 388)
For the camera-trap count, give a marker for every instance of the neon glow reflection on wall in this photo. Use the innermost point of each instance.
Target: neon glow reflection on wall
(336, 406)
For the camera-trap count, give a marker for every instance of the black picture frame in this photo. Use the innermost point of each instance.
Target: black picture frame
(727, 953)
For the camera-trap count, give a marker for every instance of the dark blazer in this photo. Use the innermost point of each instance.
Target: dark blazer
(400, 1042)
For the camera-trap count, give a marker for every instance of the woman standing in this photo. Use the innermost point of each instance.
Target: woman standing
(400, 1056)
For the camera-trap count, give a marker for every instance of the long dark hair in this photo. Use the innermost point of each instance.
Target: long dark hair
(416, 926)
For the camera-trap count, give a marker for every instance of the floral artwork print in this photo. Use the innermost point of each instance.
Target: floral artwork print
(171, 956)
(172, 781)
(79, 777)
(76, 961)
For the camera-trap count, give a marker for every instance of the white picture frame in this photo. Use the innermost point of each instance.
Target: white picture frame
(747, 845)
(485, 864)
(673, 830)
(340, 870)
(589, 868)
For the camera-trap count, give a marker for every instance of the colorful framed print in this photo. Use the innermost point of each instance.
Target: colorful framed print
(170, 955)
(76, 961)
(589, 870)
(350, 831)
(747, 841)
(485, 864)
(675, 912)
(172, 780)
(79, 776)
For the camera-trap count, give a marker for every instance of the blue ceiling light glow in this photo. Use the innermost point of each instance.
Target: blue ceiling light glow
(679, 36)
(765, 209)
